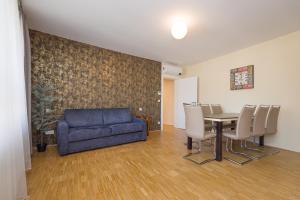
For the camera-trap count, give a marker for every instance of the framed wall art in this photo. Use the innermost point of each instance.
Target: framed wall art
(242, 78)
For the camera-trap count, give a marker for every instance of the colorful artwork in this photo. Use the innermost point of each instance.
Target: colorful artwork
(242, 78)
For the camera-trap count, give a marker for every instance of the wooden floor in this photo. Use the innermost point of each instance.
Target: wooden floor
(156, 170)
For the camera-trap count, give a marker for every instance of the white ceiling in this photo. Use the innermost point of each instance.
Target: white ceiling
(142, 27)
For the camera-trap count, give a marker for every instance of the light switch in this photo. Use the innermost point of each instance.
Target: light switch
(48, 110)
(51, 132)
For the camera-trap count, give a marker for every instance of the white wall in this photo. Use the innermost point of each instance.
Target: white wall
(168, 102)
(276, 81)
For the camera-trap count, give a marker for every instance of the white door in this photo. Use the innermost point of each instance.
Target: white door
(185, 91)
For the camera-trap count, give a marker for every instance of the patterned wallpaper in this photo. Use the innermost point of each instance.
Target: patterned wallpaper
(86, 76)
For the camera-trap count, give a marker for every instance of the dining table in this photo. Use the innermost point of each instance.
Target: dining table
(218, 120)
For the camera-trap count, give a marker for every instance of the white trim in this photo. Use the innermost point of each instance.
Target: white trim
(161, 99)
(170, 77)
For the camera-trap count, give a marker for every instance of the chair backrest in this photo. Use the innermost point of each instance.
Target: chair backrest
(216, 108)
(194, 121)
(186, 104)
(206, 109)
(244, 122)
(259, 121)
(272, 119)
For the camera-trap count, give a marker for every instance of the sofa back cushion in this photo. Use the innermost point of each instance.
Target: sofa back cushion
(84, 117)
(116, 116)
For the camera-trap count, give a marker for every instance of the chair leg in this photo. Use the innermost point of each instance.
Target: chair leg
(185, 143)
(214, 146)
(198, 152)
(242, 144)
(253, 149)
(236, 153)
(199, 163)
(199, 146)
(226, 146)
(256, 150)
(240, 153)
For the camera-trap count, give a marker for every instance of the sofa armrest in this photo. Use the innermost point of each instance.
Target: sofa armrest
(62, 136)
(141, 121)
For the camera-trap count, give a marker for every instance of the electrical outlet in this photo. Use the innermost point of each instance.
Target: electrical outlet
(140, 109)
(51, 132)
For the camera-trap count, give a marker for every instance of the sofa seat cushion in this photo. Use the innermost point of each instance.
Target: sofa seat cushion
(80, 134)
(126, 128)
(83, 117)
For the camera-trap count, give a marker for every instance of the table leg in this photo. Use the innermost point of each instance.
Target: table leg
(233, 124)
(219, 141)
(189, 143)
(261, 140)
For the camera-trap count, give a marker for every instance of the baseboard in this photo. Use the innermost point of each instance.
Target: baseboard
(48, 145)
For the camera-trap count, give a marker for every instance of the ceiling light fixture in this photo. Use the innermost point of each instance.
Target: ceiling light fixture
(179, 29)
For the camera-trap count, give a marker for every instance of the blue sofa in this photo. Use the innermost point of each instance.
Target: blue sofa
(84, 129)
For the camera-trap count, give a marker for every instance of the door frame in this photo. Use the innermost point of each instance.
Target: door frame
(170, 77)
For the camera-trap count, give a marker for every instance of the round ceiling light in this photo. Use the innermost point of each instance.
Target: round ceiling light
(179, 29)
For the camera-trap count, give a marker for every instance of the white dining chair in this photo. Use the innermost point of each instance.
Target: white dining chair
(195, 128)
(207, 111)
(216, 108)
(242, 132)
(272, 120)
(258, 128)
(271, 127)
(259, 121)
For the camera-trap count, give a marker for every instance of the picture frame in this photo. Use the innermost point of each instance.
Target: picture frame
(242, 78)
